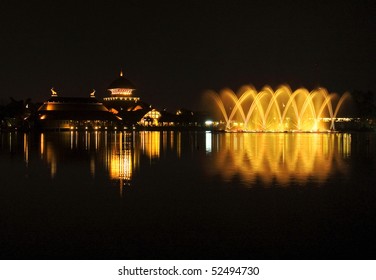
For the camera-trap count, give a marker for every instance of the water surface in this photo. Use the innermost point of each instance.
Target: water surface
(187, 195)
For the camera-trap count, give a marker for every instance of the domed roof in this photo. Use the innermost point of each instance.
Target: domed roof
(121, 82)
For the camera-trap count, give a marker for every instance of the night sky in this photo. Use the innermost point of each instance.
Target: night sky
(173, 51)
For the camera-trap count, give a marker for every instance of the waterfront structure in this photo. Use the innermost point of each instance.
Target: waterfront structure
(122, 109)
(134, 112)
(121, 95)
(63, 113)
(125, 104)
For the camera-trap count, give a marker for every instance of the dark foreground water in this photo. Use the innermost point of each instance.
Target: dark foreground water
(187, 195)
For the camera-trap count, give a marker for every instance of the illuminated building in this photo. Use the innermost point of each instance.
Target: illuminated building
(122, 109)
(64, 113)
(121, 90)
(129, 107)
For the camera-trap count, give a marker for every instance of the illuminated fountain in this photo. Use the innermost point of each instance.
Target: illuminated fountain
(279, 110)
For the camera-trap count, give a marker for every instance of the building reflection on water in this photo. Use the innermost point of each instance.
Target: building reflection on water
(252, 158)
(122, 158)
(150, 143)
(119, 152)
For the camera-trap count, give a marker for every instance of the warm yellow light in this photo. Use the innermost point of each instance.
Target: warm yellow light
(114, 111)
(150, 143)
(280, 157)
(121, 91)
(53, 92)
(151, 118)
(270, 110)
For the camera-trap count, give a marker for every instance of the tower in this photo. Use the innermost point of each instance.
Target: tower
(121, 89)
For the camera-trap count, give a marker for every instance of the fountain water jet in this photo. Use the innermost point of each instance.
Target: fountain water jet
(279, 110)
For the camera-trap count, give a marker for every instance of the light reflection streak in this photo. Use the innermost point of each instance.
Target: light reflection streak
(48, 152)
(164, 141)
(76, 141)
(87, 140)
(208, 142)
(150, 143)
(26, 148)
(10, 142)
(178, 144)
(92, 166)
(122, 160)
(71, 140)
(96, 140)
(172, 140)
(41, 140)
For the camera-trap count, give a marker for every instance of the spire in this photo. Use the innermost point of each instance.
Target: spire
(121, 72)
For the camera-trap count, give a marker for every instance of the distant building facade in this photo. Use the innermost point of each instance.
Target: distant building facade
(63, 113)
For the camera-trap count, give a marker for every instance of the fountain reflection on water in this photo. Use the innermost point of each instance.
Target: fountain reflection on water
(278, 158)
(279, 110)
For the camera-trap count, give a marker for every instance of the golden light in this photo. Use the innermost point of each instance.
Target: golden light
(278, 157)
(121, 91)
(92, 94)
(277, 110)
(114, 111)
(48, 153)
(26, 148)
(151, 118)
(53, 92)
(150, 143)
(122, 158)
(41, 144)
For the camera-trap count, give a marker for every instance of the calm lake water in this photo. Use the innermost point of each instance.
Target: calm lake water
(187, 195)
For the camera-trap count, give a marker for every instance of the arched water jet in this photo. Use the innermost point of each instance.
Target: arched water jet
(279, 110)
(339, 104)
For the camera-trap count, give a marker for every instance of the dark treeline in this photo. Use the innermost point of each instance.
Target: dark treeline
(18, 113)
(364, 103)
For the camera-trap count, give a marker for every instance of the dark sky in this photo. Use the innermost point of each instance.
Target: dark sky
(175, 50)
